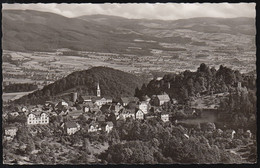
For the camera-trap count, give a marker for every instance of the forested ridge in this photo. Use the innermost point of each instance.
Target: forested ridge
(240, 104)
(205, 80)
(113, 83)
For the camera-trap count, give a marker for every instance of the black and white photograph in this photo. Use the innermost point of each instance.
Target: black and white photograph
(129, 83)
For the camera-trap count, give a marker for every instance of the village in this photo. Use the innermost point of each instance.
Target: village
(100, 110)
(103, 113)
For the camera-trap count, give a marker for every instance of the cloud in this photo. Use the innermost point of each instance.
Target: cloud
(166, 11)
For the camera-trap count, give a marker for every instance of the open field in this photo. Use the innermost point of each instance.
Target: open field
(13, 96)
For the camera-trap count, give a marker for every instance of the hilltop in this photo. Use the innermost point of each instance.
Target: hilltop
(113, 83)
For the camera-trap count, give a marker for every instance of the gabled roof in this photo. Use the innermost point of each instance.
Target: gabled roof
(10, 127)
(88, 104)
(138, 110)
(107, 97)
(109, 123)
(164, 97)
(146, 97)
(79, 107)
(37, 113)
(143, 102)
(127, 111)
(101, 118)
(164, 113)
(71, 124)
(93, 124)
(105, 108)
(87, 97)
(75, 112)
(129, 99)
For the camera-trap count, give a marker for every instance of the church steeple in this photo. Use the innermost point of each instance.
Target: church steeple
(98, 90)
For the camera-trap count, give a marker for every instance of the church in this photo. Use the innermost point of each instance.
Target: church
(98, 100)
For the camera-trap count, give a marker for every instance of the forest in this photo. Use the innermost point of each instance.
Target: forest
(133, 141)
(240, 103)
(205, 80)
(113, 83)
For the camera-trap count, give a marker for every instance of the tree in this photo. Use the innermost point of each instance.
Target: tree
(30, 147)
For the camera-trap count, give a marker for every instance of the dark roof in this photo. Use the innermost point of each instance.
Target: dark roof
(110, 123)
(94, 124)
(101, 118)
(129, 99)
(10, 127)
(89, 104)
(105, 107)
(75, 113)
(164, 113)
(87, 97)
(70, 124)
(126, 111)
(79, 106)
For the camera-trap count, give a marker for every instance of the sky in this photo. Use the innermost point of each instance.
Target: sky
(165, 11)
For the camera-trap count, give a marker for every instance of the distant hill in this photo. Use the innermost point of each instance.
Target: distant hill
(242, 25)
(113, 83)
(28, 30)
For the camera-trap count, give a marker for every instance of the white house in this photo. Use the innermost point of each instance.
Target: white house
(108, 126)
(102, 101)
(165, 117)
(63, 103)
(11, 131)
(71, 127)
(126, 100)
(161, 99)
(144, 106)
(139, 115)
(126, 113)
(85, 99)
(94, 127)
(37, 118)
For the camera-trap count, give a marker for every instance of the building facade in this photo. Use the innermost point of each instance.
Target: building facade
(37, 118)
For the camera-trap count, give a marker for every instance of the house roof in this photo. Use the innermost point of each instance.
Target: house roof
(127, 111)
(138, 110)
(143, 102)
(129, 99)
(164, 113)
(87, 97)
(105, 108)
(79, 106)
(164, 97)
(146, 97)
(101, 118)
(37, 113)
(71, 124)
(93, 124)
(10, 127)
(107, 97)
(75, 112)
(109, 123)
(89, 104)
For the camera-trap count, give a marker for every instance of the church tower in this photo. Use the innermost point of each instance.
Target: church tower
(98, 90)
